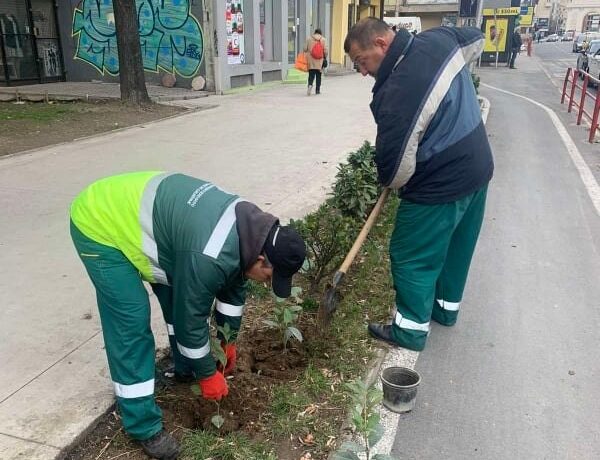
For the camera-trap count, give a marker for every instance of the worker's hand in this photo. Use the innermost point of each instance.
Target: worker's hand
(230, 351)
(214, 387)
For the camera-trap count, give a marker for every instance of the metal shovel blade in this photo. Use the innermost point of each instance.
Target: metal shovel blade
(328, 306)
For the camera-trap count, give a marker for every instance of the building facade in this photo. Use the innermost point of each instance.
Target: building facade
(252, 41)
(582, 15)
(344, 14)
(568, 15)
(433, 13)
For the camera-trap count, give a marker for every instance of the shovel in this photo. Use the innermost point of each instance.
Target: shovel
(331, 299)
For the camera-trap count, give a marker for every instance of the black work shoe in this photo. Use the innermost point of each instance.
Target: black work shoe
(184, 378)
(162, 446)
(382, 332)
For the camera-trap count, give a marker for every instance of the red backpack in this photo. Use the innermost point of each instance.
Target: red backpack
(317, 51)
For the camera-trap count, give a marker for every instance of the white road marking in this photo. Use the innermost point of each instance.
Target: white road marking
(587, 177)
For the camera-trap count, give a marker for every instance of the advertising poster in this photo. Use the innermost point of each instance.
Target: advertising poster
(495, 35)
(234, 25)
(526, 17)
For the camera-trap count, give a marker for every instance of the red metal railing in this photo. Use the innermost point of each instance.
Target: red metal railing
(578, 100)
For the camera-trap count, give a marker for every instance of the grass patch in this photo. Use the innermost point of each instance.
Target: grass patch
(35, 112)
(237, 446)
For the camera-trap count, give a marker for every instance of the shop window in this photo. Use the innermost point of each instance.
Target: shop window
(592, 23)
(18, 50)
(29, 45)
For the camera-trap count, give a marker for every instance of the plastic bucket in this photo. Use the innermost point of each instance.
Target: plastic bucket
(400, 386)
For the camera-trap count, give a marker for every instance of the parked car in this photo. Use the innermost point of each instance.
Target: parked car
(568, 36)
(583, 41)
(594, 65)
(582, 59)
(552, 38)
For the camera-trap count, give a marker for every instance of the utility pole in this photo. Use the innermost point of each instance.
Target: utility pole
(210, 50)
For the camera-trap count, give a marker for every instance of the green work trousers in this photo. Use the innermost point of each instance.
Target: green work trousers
(430, 251)
(125, 316)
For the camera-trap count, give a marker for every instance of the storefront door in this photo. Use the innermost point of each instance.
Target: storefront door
(292, 30)
(47, 42)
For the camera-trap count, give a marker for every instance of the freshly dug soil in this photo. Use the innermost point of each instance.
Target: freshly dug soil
(262, 363)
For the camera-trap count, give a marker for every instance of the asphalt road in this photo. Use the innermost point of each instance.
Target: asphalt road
(518, 376)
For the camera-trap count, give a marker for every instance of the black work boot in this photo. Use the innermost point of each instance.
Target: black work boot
(382, 332)
(162, 446)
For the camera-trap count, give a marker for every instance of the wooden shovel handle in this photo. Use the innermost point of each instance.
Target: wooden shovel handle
(362, 236)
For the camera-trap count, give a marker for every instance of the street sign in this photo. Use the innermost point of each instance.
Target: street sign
(515, 11)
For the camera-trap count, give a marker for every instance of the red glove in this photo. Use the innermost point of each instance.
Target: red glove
(231, 354)
(214, 387)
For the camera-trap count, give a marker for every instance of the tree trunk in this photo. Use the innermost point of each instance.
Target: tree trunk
(131, 67)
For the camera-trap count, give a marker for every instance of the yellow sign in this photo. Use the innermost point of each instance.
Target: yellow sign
(515, 11)
(527, 19)
(495, 35)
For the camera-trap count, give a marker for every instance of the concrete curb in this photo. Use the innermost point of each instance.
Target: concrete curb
(187, 112)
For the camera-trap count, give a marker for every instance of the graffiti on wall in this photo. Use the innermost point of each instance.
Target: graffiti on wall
(170, 36)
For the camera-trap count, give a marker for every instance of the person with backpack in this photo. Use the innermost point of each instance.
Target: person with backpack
(316, 55)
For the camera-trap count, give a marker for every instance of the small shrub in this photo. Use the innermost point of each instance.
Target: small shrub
(328, 236)
(356, 188)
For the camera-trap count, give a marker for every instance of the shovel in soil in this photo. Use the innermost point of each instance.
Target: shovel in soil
(330, 299)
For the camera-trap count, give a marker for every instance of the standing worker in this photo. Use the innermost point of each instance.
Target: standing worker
(515, 47)
(431, 146)
(316, 55)
(196, 245)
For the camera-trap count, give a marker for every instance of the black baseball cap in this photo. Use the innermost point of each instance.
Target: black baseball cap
(286, 252)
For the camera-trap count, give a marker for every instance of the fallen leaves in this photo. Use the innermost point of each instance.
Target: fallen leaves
(310, 410)
(309, 440)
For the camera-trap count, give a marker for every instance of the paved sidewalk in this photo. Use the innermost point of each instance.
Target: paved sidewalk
(278, 148)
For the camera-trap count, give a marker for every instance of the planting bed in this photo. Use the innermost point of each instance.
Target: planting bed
(283, 404)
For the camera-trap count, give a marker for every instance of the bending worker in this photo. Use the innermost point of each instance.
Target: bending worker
(195, 244)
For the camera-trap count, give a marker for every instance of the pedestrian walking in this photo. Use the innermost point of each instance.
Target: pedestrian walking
(515, 47)
(432, 146)
(316, 55)
(196, 245)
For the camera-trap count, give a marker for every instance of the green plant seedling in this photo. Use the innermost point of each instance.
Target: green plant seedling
(226, 332)
(366, 421)
(284, 319)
